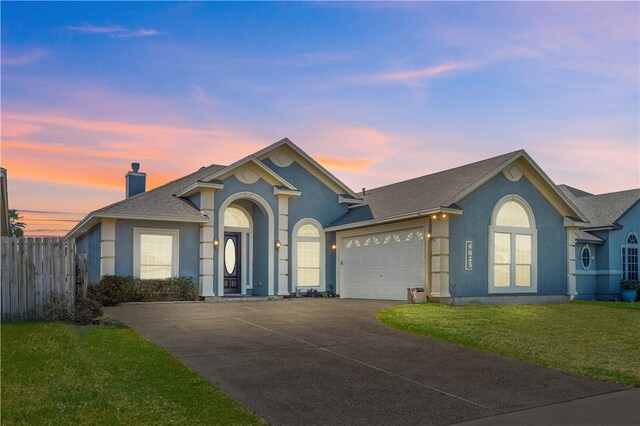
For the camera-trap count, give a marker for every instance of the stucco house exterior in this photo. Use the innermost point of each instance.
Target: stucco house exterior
(276, 221)
(607, 247)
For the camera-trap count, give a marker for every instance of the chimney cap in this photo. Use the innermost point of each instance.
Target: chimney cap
(135, 167)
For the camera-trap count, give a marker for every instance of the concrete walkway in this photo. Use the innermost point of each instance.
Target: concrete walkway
(331, 362)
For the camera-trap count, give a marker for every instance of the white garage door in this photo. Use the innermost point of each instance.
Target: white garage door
(383, 265)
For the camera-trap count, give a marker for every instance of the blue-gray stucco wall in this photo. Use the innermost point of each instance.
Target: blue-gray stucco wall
(189, 245)
(587, 279)
(318, 202)
(89, 244)
(473, 225)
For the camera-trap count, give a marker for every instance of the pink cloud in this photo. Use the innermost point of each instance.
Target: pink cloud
(415, 74)
(24, 58)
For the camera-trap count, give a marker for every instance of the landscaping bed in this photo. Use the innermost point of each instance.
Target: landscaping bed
(594, 339)
(57, 373)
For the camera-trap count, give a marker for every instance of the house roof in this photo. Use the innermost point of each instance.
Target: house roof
(585, 237)
(602, 210)
(156, 204)
(422, 193)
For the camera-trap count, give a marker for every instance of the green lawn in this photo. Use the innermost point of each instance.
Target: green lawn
(592, 339)
(55, 373)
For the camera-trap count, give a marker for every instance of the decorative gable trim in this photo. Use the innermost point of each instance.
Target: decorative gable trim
(284, 151)
(522, 163)
(249, 170)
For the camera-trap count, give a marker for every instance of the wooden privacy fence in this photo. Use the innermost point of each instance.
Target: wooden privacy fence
(35, 270)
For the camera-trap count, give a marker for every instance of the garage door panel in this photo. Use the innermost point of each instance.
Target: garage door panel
(383, 265)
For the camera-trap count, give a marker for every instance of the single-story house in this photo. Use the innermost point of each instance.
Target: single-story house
(276, 222)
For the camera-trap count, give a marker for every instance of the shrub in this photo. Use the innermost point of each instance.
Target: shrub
(86, 311)
(83, 311)
(114, 289)
(629, 285)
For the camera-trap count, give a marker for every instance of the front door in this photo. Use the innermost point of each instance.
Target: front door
(231, 263)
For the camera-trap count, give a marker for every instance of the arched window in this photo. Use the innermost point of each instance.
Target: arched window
(512, 247)
(630, 257)
(308, 254)
(585, 257)
(234, 217)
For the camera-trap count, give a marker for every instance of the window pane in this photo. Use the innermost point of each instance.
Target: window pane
(308, 230)
(235, 218)
(523, 275)
(308, 277)
(502, 248)
(523, 249)
(308, 254)
(148, 272)
(586, 257)
(501, 276)
(512, 214)
(156, 256)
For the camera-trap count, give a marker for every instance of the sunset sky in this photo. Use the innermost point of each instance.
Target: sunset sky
(376, 92)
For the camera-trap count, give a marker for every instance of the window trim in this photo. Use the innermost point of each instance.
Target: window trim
(591, 257)
(175, 251)
(513, 231)
(624, 254)
(294, 253)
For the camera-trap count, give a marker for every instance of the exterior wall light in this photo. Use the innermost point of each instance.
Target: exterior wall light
(278, 245)
(444, 215)
(434, 216)
(428, 235)
(216, 243)
(333, 246)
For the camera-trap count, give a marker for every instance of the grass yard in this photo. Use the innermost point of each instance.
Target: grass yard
(594, 339)
(55, 373)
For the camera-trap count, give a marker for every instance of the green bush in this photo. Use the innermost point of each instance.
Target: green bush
(629, 285)
(86, 311)
(114, 289)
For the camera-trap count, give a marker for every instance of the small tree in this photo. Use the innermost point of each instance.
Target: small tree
(16, 228)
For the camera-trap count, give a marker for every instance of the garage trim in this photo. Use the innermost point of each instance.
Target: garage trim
(341, 236)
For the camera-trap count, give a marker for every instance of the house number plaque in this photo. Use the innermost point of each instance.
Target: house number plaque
(468, 255)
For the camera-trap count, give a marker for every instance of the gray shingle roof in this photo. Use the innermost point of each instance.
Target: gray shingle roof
(161, 201)
(604, 209)
(585, 237)
(420, 194)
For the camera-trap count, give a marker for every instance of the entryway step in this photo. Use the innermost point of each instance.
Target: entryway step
(241, 298)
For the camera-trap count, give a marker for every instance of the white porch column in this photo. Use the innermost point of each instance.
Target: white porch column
(571, 261)
(283, 237)
(440, 257)
(108, 247)
(207, 248)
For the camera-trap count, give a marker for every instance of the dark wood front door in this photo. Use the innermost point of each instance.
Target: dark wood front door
(232, 262)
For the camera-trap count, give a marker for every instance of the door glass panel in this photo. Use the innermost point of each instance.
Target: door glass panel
(230, 256)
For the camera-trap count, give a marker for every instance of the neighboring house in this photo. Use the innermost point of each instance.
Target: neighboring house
(274, 222)
(607, 247)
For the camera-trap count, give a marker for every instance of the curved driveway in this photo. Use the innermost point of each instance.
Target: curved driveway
(329, 361)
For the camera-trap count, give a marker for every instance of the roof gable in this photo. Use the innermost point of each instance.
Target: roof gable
(283, 151)
(249, 170)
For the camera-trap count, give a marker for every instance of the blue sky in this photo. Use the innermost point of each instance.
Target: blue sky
(378, 92)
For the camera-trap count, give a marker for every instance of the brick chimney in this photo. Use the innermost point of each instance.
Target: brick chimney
(135, 181)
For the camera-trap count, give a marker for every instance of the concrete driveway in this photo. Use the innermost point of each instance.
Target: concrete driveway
(331, 362)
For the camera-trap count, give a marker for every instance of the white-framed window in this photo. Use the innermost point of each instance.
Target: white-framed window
(586, 257)
(512, 247)
(308, 247)
(155, 253)
(630, 252)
